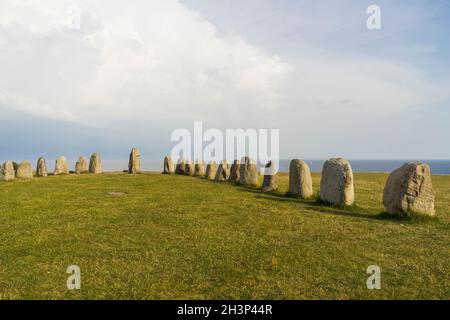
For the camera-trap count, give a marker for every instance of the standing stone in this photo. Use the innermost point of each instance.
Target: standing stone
(41, 168)
(181, 167)
(134, 164)
(7, 172)
(223, 172)
(168, 165)
(211, 170)
(200, 170)
(300, 181)
(270, 182)
(189, 168)
(24, 170)
(409, 190)
(95, 164)
(336, 184)
(61, 166)
(235, 172)
(248, 173)
(81, 166)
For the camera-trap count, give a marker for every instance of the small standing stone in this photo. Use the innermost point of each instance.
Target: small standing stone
(24, 171)
(200, 170)
(61, 166)
(409, 190)
(168, 165)
(211, 170)
(189, 168)
(270, 182)
(134, 164)
(81, 166)
(7, 172)
(181, 167)
(95, 164)
(41, 168)
(300, 181)
(336, 184)
(235, 172)
(223, 172)
(248, 173)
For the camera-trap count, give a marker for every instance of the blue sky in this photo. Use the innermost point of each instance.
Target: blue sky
(132, 73)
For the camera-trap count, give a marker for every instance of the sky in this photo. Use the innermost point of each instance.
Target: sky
(128, 73)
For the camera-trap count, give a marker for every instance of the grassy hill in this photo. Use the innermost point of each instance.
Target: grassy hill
(153, 236)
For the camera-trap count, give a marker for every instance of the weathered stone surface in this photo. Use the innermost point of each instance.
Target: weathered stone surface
(270, 182)
(7, 172)
(24, 170)
(211, 170)
(300, 181)
(168, 165)
(81, 166)
(95, 164)
(189, 168)
(181, 167)
(223, 172)
(41, 168)
(336, 184)
(409, 190)
(200, 170)
(248, 172)
(235, 172)
(61, 166)
(134, 164)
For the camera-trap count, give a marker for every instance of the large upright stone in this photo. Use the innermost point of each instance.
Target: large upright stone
(223, 172)
(189, 168)
(168, 165)
(409, 190)
(95, 164)
(61, 166)
(24, 171)
(181, 167)
(300, 181)
(336, 184)
(81, 166)
(134, 164)
(235, 172)
(7, 172)
(200, 170)
(211, 170)
(248, 173)
(41, 168)
(270, 182)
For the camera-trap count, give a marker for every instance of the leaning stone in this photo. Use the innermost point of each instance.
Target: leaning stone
(168, 165)
(134, 164)
(81, 166)
(336, 184)
(7, 172)
(211, 170)
(61, 166)
(300, 181)
(409, 190)
(189, 169)
(235, 172)
(200, 170)
(24, 171)
(181, 167)
(223, 172)
(248, 173)
(95, 164)
(270, 182)
(41, 168)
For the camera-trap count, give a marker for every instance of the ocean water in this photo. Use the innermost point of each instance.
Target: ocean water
(437, 166)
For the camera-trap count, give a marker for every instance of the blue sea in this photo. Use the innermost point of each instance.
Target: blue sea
(437, 166)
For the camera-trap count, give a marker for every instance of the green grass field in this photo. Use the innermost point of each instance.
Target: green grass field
(177, 237)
